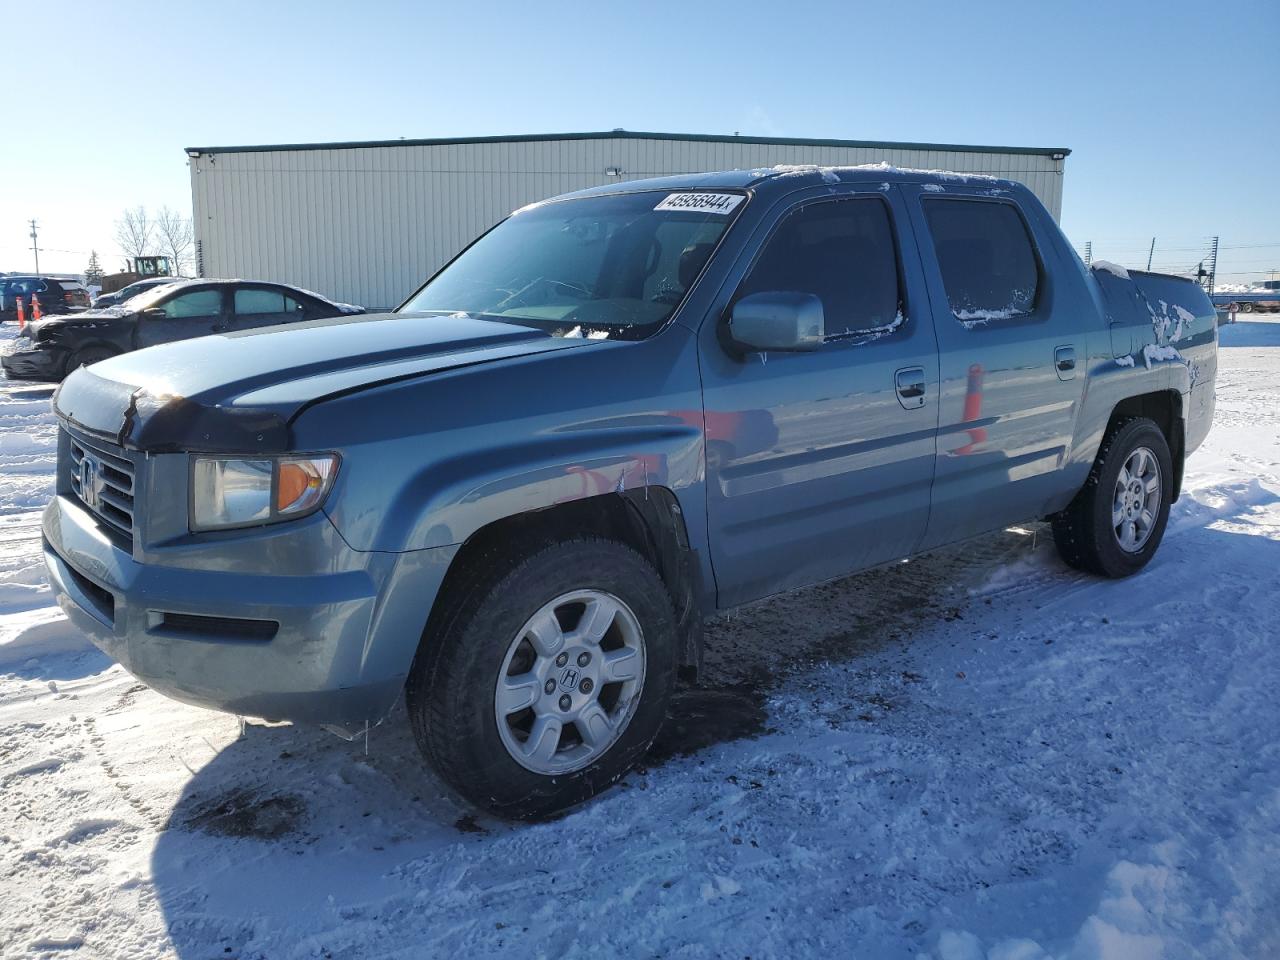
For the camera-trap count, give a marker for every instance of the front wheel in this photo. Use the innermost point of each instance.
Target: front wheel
(1116, 522)
(87, 357)
(546, 677)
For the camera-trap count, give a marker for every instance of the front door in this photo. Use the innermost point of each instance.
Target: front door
(820, 463)
(1011, 357)
(181, 316)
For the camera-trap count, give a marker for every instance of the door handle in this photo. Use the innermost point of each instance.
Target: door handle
(909, 382)
(1064, 361)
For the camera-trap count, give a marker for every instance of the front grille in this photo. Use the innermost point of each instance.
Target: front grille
(102, 476)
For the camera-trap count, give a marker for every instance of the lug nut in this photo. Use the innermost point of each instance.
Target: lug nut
(586, 685)
(584, 658)
(565, 702)
(562, 660)
(550, 686)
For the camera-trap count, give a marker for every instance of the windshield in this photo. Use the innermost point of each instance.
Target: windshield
(144, 298)
(615, 266)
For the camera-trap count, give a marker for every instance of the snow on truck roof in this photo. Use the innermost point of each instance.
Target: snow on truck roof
(761, 176)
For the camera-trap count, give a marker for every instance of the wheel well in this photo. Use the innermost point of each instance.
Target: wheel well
(649, 520)
(1164, 408)
(111, 349)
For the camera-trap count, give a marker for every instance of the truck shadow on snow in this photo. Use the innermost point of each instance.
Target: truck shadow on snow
(1250, 333)
(286, 819)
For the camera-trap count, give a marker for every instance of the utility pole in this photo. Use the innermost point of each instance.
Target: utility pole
(1151, 253)
(1213, 264)
(35, 249)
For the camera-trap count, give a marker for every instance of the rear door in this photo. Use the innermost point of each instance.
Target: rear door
(820, 463)
(264, 306)
(1012, 361)
(182, 315)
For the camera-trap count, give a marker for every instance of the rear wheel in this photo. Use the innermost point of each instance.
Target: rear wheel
(88, 356)
(546, 677)
(1246, 307)
(1116, 522)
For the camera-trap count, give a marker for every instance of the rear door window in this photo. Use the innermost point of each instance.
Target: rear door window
(251, 301)
(842, 252)
(986, 257)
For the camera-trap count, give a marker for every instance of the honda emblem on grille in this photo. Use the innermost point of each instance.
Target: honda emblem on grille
(90, 482)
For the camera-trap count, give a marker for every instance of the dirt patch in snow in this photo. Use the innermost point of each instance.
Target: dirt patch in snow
(702, 716)
(243, 813)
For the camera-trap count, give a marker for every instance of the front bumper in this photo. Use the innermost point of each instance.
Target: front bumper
(22, 363)
(337, 645)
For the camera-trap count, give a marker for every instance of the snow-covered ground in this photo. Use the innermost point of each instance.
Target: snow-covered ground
(980, 754)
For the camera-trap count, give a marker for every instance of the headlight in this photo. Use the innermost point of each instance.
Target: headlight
(244, 493)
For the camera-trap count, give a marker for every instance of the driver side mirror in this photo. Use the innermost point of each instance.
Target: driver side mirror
(777, 321)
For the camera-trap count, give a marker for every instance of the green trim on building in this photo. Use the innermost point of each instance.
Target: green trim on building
(1057, 152)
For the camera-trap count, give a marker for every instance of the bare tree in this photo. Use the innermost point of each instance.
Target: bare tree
(135, 233)
(174, 238)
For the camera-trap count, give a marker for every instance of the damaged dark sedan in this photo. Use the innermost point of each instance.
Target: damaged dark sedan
(51, 348)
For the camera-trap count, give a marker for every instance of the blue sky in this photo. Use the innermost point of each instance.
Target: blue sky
(1172, 110)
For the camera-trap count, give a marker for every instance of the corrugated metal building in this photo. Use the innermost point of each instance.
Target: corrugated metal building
(367, 222)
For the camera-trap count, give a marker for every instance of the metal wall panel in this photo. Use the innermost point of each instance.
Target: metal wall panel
(367, 224)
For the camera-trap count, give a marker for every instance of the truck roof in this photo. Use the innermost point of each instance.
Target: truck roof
(790, 177)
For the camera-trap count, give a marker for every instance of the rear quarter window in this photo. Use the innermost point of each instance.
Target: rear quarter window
(986, 257)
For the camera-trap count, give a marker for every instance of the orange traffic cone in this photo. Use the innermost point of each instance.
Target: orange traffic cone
(22, 314)
(35, 307)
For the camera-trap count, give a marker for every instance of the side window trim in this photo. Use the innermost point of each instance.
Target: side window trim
(852, 337)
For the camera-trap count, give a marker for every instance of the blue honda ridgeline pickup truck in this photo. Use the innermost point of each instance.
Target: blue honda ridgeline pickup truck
(516, 498)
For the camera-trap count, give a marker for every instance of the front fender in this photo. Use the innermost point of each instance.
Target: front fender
(445, 502)
(428, 463)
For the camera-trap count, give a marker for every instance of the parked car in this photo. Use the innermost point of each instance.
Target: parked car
(56, 295)
(515, 499)
(179, 310)
(131, 291)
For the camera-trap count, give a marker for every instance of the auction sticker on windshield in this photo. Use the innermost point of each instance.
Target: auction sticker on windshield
(723, 203)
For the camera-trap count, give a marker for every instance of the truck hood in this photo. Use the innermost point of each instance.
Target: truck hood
(239, 392)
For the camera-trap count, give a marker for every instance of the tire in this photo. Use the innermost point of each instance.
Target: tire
(1246, 307)
(485, 631)
(87, 356)
(1087, 536)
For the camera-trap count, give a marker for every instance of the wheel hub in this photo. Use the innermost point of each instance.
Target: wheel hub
(570, 682)
(1136, 503)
